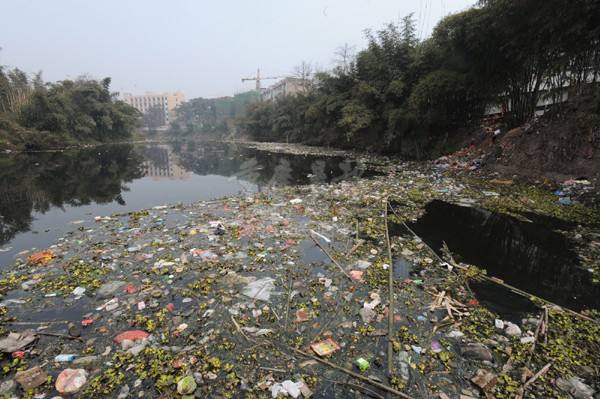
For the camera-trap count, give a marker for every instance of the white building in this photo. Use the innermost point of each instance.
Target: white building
(285, 87)
(166, 101)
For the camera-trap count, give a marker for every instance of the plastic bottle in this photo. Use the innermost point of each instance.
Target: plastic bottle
(65, 358)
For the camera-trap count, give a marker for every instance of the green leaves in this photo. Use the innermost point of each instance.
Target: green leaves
(355, 117)
(83, 109)
(403, 94)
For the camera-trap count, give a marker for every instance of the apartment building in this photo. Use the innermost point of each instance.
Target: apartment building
(166, 101)
(285, 87)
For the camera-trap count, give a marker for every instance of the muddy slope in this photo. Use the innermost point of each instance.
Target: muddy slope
(558, 146)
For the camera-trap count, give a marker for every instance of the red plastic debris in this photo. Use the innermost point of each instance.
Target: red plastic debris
(170, 307)
(87, 322)
(131, 289)
(132, 335)
(18, 355)
(178, 363)
(473, 302)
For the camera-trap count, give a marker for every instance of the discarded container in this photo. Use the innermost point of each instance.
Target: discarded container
(87, 322)
(110, 305)
(15, 341)
(31, 378)
(325, 347)
(186, 385)
(512, 329)
(286, 388)
(132, 335)
(71, 380)
(362, 364)
(41, 258)
(65, 358)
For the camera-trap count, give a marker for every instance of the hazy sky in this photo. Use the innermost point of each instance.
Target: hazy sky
(200, 47)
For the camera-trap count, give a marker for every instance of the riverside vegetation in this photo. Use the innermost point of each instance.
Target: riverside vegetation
(419, 98)
(35, 114)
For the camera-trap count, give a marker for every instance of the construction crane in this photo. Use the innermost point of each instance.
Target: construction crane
(258, 78)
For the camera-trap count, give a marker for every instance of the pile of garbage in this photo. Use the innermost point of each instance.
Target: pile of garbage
(573, 190)
(279, 294)
(469, 158)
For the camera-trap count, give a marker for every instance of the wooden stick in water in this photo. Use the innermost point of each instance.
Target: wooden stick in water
(353, 374)
(390, 347)
(335, 262)
(47, 334)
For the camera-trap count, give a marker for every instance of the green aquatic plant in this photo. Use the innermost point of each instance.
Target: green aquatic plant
(77, 273)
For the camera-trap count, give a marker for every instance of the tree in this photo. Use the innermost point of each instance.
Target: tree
(304, 73)
(345, 57)
(83, 109)
(154, 117)
(400, 90)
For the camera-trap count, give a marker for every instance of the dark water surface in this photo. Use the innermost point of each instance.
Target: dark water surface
(45, 195)
(533, 256)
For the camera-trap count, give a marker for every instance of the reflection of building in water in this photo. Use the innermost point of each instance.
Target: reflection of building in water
(160, 162)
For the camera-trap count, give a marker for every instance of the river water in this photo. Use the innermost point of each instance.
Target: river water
(45, 195)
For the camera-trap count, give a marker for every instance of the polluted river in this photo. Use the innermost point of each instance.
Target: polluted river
(262, 271)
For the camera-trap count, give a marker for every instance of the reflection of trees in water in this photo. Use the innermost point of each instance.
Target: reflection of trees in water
(282, 173)
(37, 182)
(264, 168)
(249, 170)
(318, 170)
(531, 256)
